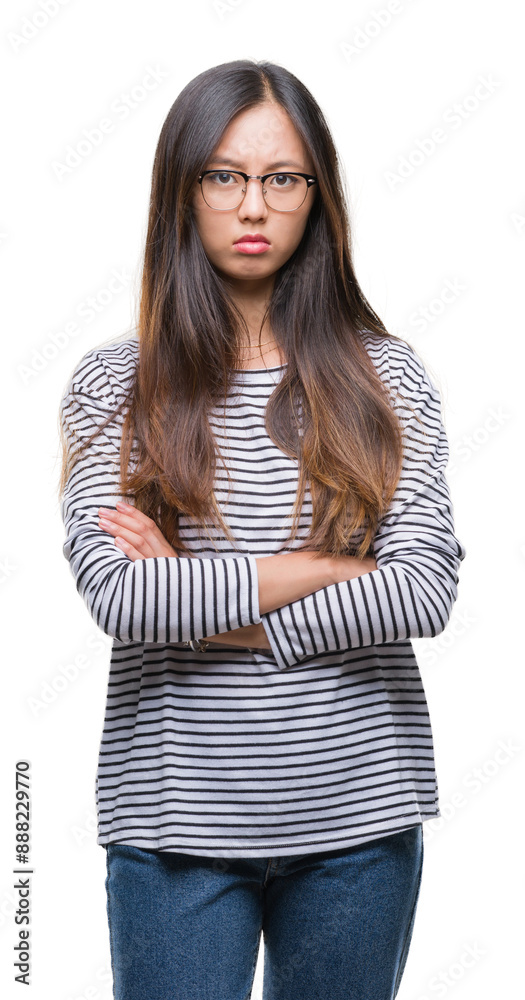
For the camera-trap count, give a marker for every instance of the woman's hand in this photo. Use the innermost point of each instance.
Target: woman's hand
(139, 538)
(134, 532)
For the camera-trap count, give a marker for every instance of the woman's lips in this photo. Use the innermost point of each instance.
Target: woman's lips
(251, 246)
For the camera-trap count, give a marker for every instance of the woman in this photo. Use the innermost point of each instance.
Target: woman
(266, 761)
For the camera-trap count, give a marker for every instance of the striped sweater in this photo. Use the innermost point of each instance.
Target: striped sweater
(322, 742)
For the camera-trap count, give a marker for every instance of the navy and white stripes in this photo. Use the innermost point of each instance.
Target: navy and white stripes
(412, 592)
(322, 742)
(150, 600)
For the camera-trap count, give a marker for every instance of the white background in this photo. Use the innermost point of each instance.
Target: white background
(457, 219)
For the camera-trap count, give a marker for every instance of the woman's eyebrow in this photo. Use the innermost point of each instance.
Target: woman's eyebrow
(271, 166)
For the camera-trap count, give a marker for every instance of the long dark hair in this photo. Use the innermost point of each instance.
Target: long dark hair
(348, 441)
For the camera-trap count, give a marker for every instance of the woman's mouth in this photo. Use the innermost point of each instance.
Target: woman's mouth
(252, 244)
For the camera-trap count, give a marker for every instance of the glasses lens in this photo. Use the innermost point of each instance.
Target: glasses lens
(285, 192)
(223, 190)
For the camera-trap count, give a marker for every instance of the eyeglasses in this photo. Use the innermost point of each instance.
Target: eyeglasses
(224, 190)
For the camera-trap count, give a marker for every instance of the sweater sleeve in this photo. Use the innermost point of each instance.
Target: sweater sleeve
(160, 599)
(413, 589)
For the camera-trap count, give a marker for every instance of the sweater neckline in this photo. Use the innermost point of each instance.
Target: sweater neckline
(258, 371)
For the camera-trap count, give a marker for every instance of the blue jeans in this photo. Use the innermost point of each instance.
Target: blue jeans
(336, 925)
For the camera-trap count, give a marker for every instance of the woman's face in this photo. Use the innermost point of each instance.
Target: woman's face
(257, 141)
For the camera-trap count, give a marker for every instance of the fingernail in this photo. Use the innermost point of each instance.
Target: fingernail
(124, 506)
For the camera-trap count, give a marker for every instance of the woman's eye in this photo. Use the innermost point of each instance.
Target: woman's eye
(221, 178)
(283, 180)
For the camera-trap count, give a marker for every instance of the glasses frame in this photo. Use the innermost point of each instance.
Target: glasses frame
(310, 179)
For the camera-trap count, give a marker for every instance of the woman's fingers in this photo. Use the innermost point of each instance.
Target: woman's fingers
(129, 517)
(132, 539)
(142, 538)
(128, 549)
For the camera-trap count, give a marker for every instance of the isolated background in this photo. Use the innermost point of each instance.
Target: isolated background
(387, 75)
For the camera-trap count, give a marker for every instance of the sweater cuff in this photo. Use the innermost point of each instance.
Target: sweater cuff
(278, 638)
